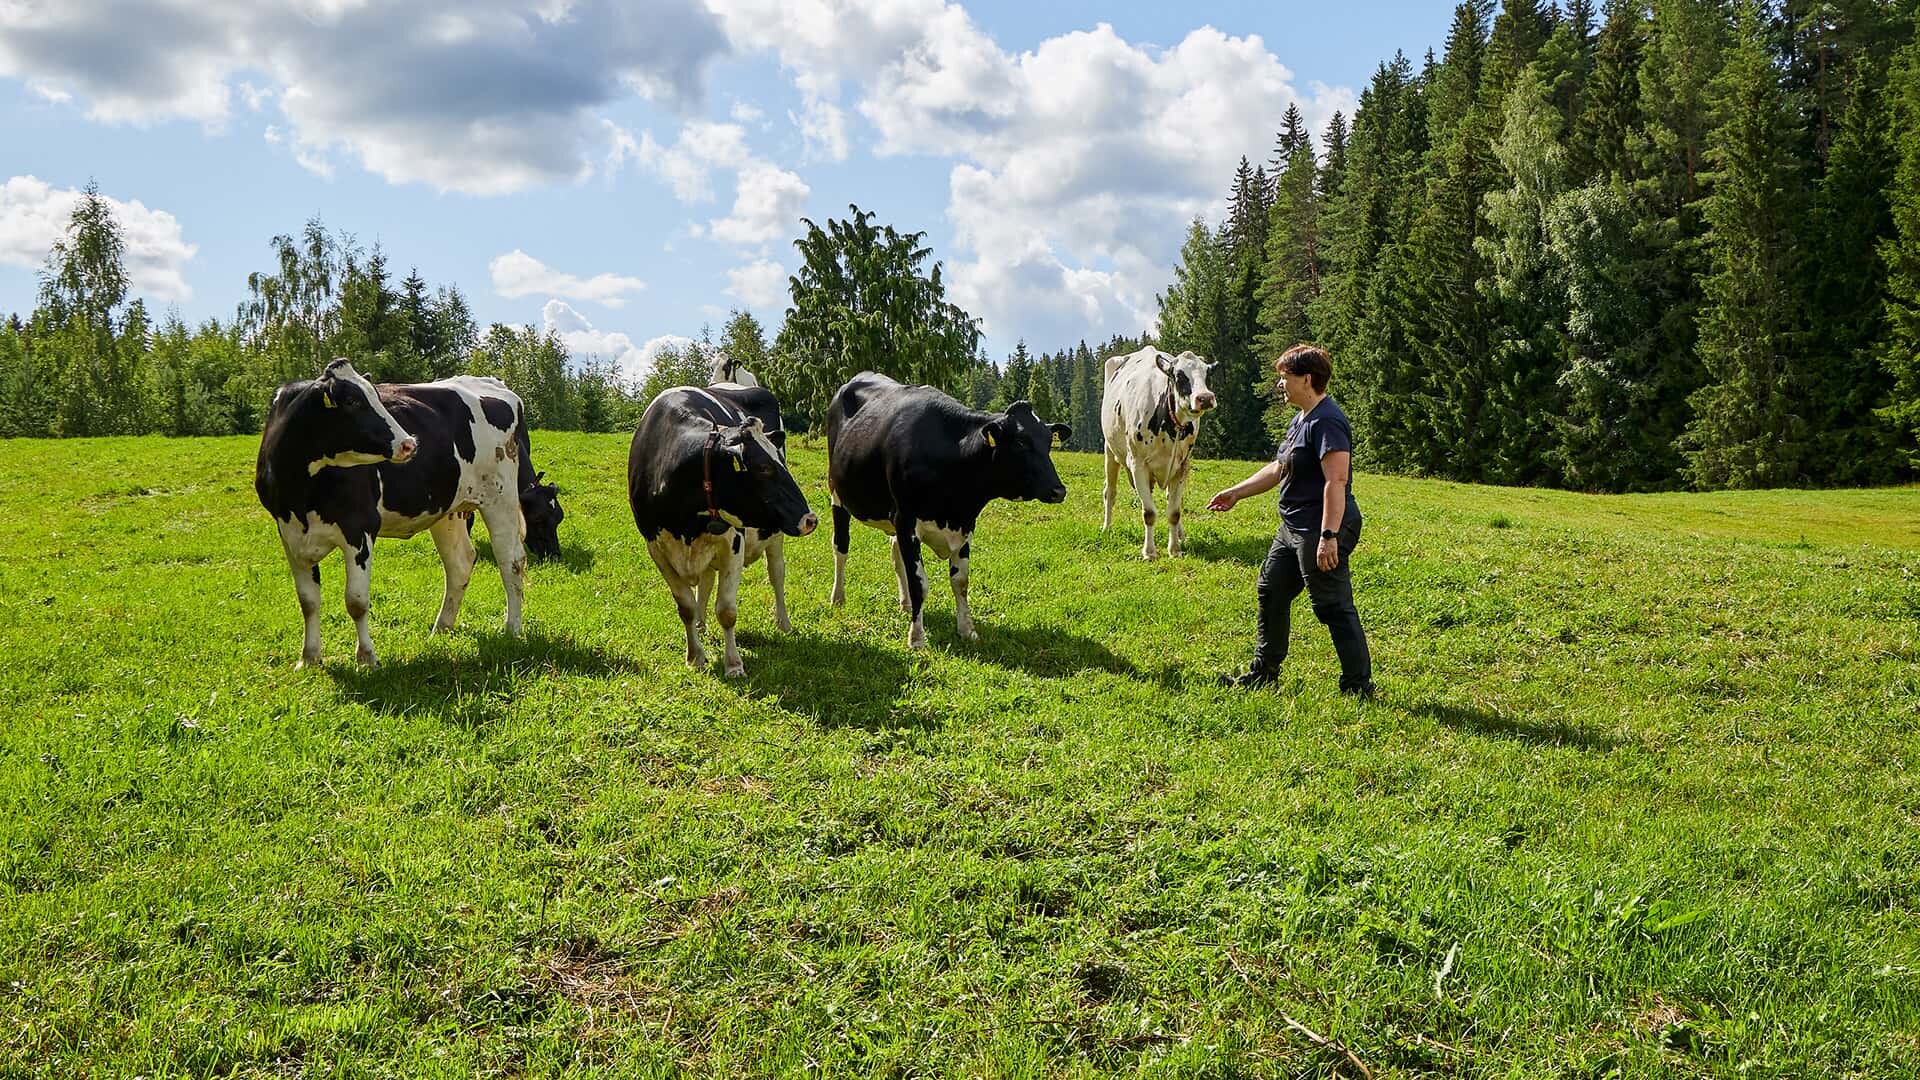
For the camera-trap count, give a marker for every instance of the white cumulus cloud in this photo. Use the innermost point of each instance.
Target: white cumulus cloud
(586, 342)
(518, 274)
(759, 284)
(34, 214)
(1078, 164)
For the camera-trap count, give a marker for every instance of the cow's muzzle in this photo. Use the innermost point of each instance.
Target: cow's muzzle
(1204, 402)
(406, 448)
(807, 524)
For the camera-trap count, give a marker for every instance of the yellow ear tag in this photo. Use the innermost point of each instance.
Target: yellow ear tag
(326, 399)
(738, 465)
(989, 438)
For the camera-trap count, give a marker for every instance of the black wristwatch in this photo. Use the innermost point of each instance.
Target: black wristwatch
(1329, 534)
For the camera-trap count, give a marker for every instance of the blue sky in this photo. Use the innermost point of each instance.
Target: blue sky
(627, 172)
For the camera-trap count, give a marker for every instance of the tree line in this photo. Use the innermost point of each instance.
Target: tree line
(1649, 246)
(91, 359)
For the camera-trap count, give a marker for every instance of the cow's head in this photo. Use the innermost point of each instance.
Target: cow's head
(725, 369)
(540, 508)
(752, 482)
(1188, 374)
(1019, 444)
(346, 423)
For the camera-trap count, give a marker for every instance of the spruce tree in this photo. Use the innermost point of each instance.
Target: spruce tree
(1899, 348)
(1016, 378)
(1850, 215)
(1751, 427)
(1610, 104)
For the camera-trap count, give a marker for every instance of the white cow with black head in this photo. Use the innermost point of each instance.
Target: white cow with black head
(724, 370)
(1150, 415)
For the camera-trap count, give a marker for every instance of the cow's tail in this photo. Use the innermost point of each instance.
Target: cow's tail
(525, 471)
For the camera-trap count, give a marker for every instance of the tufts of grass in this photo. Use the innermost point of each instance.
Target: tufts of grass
(1638, 797)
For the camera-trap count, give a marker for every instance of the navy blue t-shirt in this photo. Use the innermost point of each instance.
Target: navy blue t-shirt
(1311, 436)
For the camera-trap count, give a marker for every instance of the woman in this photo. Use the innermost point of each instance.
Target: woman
(1319, 525)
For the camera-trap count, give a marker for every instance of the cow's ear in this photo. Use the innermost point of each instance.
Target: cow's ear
(991, 433)
(1061, 433)
(1213, 365)
(1160, 361)
(540, 477)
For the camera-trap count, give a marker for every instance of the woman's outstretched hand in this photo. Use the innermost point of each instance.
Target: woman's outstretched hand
(1223, 501)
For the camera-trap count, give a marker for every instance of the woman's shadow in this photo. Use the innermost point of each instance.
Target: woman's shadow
(1481, 722)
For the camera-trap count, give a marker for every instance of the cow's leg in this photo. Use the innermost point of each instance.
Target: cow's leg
(957, 575)
(456, 559)
(913, 580)
(359, 591)
(306, 583)
(726, 606)
(1112, 488)
(703, 598)
(505, 529)
(900, 577)
(777, 577)
(1143, 486)
(685, 598)
(842, 526)
(1176, 527)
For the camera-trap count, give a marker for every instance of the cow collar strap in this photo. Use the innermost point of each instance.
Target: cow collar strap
(1173, 412)
(715, 524)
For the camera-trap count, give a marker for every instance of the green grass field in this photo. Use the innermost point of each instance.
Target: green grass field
(1638, 797)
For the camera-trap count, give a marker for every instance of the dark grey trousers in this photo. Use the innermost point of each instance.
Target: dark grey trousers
(1291, 569)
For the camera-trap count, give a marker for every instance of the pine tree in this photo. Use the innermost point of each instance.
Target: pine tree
(1899, 348)
(1750, 427)
(1334, 168)
(1850, 215)
(1016, 379)
(1042, 397)
(1290, 280)
(1084, 401)
(1610, 106)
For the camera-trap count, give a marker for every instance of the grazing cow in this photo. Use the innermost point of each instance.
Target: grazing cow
(539, 508)
(704, 480)
(343, 461)
(724, 370)
(919, 466)
(1150, 415)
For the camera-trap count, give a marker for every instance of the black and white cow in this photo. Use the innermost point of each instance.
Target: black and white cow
(724, 370)
(919, 466)
(540, 510)
(1150, 415)
(343, 461)
(707, 485)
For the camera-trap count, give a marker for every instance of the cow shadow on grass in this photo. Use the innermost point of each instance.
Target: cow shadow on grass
(837, 682)
(1228, 547)
(575, 557)
(471, 688)
(1548, 732)
(1046, 651)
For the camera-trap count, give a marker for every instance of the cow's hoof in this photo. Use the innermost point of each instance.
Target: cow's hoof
(365, 658)
(697, 661)
(918, 643)
(838, 599)
(969, 633)
(736, 671)
(784, 626)
(307, 662)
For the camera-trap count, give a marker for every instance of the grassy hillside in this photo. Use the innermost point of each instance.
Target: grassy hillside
(1638, 796)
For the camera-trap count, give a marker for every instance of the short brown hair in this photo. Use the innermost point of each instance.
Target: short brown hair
(1309, 360)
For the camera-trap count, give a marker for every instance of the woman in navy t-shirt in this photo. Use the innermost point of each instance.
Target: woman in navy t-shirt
(1319, 526)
